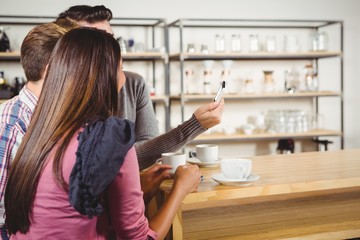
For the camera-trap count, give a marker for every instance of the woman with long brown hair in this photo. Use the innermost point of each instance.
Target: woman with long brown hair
(77, 161)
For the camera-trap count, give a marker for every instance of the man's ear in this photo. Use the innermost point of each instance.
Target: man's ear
(45, 71)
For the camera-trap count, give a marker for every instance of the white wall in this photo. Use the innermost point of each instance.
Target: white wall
(346, 10)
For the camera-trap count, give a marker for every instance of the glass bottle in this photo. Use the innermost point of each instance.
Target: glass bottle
(187, 81)
(206, 82)
(2, 79)
(6, 90)
(225, 74)
(315, 82)
(311, 79)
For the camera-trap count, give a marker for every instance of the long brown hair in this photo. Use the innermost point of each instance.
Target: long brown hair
(80, 86)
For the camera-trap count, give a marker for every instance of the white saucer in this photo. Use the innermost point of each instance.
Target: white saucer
(220, 178)
(202, 164)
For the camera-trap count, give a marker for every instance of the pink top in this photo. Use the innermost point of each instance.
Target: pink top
(55, 218)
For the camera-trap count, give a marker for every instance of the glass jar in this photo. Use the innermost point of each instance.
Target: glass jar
(191, 48)
(123, 44)
(313, 43)
(236, 43)
(249, 86)
(322, 41)
(318, 41)
(254, 43)
(270, 43)
(219, 43)
(204, 49)
(269, 84)
(292, 81)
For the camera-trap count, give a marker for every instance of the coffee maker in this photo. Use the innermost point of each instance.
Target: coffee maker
(285, 146)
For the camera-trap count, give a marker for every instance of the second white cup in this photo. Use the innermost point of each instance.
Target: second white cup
(173, 159)
(207, 152)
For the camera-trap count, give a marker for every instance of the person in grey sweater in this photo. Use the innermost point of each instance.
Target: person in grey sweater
(149, 144)
(135, 103)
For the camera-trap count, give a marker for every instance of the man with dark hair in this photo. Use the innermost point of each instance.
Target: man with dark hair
(135, 103)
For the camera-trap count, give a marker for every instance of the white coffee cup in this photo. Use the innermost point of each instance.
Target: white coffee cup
(207, 152)
(236, 168)
(173, 159)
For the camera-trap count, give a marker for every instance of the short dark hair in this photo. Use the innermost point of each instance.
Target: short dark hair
(87, 13)
(38, 44)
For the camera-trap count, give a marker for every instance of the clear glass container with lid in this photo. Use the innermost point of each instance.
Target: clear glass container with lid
(219, 43)
(236, 43)
(254, 43)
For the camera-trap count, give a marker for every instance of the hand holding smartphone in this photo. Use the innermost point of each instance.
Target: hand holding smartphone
(220, 92)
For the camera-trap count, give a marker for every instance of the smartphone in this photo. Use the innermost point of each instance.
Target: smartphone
(220, 92)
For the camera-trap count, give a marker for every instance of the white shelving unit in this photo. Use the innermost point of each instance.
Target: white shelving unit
(185, 31)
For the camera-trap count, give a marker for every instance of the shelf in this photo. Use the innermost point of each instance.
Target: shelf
(216, 137)
(201, 97)
(251, 23)
(159, 99)
(144, 56)
(127, 56)
(35, 20)
(253, 56)
(8, 56)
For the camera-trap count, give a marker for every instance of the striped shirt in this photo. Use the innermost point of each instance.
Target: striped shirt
(15, 116)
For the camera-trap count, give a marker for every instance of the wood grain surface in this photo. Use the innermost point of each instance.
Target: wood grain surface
(298, 196)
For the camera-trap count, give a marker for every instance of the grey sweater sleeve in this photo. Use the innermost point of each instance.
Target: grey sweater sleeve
(149, 151)
(135, 104)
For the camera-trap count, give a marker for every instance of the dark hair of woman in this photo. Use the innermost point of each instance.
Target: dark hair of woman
(80, 87)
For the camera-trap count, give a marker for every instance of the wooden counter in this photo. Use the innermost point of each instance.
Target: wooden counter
(299, 196)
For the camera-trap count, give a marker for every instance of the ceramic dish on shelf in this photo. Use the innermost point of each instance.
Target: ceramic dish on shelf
(220, 178)
(203, 164)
